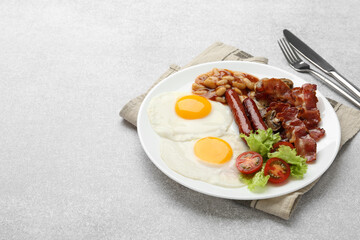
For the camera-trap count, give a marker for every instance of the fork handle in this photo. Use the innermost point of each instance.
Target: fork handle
(335, 87)
(345, 83)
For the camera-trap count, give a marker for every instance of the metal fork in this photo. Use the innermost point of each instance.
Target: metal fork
(299, 65)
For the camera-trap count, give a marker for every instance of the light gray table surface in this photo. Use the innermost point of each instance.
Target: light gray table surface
(70, 168)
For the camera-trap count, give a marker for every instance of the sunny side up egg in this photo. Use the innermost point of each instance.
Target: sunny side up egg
(163, 115)
(196, 138)
(181, 157)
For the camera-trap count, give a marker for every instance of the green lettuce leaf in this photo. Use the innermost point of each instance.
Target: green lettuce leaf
(261, 141)
(298, 164)
(256, 181)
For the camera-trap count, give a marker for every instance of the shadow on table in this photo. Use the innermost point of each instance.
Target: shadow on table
(234, 209)
(199, 203)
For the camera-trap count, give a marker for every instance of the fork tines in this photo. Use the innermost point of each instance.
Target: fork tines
(290, 55)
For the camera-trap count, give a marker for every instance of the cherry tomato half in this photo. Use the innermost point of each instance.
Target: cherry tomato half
(249, 162)
(278, 144)
(278, 169)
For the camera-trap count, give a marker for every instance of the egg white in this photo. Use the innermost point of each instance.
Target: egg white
(180, 157)
(168, 124)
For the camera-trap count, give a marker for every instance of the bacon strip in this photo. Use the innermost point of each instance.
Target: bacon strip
(295, 130)
(273, 90)
(304, 98)
(317, 133)
(306, 147)
(297, 111)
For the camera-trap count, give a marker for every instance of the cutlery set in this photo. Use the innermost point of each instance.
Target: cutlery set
(291, 44)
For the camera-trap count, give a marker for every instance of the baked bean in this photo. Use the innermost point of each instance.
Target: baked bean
(202, 77)
(249, 84)
(216, 82)
(229, 78)
(196, 86)
(239, 85)
(252, 94)
(222, 82)
(210, 82)
(242, 97)
(237, 73)
(220, 99)
(215, 71)
(238, 91)
(200, 92)
(220, 91)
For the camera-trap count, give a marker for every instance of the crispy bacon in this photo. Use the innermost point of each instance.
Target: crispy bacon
(297, 111)
(306, 147)
(278, 106)
(276, 90)
(311, 118)
(305, 100)
(273, 89)
(295, 130)
(305, 96)
(317, 133)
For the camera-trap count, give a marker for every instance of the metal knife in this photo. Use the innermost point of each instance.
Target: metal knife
(319, 62)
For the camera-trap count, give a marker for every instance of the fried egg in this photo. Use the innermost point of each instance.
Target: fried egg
(183, 117)
(209, 159)
(196, 139)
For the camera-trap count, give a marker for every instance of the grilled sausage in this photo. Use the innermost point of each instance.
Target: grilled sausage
(254, 114)
(238, 111)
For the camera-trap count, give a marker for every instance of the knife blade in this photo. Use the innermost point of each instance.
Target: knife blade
(319, 62)
(307, 52)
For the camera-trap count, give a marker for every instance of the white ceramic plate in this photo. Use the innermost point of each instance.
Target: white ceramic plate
(327, 147)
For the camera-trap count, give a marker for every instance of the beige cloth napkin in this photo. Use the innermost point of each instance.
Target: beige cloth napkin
(280, 206)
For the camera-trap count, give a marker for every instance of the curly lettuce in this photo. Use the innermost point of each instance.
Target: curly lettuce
(298, 166)
(261, 141)
(255, 182)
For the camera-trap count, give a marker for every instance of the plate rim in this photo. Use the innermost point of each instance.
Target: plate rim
(174, 174)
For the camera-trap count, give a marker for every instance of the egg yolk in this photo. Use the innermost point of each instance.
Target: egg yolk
(192, 107)
(213, 150)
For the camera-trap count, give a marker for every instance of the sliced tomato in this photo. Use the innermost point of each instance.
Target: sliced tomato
(249, 162)
(277, 169)
(278, 144)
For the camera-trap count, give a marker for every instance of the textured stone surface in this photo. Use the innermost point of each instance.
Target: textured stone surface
(70, 168)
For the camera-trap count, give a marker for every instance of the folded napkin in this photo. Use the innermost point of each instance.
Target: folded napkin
(280, 206)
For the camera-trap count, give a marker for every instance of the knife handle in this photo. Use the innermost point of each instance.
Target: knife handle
(335, 87)
(346, 84)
